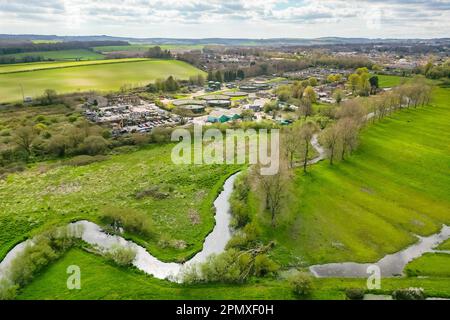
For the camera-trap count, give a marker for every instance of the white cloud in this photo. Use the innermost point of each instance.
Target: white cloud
(232, 18)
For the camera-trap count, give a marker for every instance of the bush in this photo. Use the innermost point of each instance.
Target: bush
(8, 290)
(95, 145)
(264, 265)
(226, 267)
(153, 192)
(123, 256)
(85, 160)
(301, 284)
(128, 219)
(354, 294)
(409, 294)
(43, 250)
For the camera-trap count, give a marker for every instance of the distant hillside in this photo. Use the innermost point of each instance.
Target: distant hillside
(222, 41)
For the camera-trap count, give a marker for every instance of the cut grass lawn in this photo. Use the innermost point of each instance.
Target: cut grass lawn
(75, 54)
(430, 265)
(51, 194)
(395, 185)
(100, 77)
(102, 280)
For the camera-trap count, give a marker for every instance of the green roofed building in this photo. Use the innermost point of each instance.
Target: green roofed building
(224, 119)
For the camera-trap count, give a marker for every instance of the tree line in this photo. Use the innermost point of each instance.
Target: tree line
(12, 48)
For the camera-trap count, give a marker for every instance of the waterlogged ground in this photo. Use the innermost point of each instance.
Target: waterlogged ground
(53, 194)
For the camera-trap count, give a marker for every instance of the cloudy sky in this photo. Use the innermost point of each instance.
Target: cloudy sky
(228, 18)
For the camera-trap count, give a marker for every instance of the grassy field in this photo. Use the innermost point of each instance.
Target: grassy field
(431, 265)
(445, 245)
(102, 77)
(101, 280)
(36, 66)
(49, 194)
(75, 54)
(395, 185)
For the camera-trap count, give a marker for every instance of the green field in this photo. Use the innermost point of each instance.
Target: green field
(49, 194)
(395, 185)
(102, 77)
(101, 280)
(431, 265)
(445, 245)
(35, 66)
(75, 54)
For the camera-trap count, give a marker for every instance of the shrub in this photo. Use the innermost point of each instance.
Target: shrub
(39, 253)
(409, 294)
(264, 265)
(128, 219)
(354, 294)
(153, 192)
(95, 145)
(8, 290)
(301, 284)
(123, 256)
(84, 160)
(226, 267)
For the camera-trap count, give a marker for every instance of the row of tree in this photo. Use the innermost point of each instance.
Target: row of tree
(158, 53)
(226, 75)
(168, 85)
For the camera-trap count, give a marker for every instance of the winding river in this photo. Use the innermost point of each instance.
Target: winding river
(216, 241)
(93, 234)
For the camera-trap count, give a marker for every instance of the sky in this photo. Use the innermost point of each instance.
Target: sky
(228, 18)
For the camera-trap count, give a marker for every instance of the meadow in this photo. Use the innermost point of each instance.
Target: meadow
(445, 245)
(74, 54)
(36, 66)
(102, 280)
(430, 265)
(55, 193)
(103, 76)
(394, 186)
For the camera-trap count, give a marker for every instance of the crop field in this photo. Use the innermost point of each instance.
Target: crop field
(75, 54)
(35, 66)
(395, 185)
(101, 76)
(52, 193)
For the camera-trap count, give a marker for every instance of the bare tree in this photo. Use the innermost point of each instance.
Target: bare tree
(24, 137)
(331, 138)
(307, 132)
(290, 144)
(348, 130)
(274, 190)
